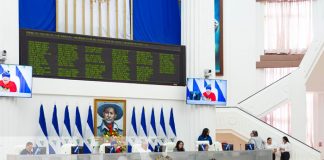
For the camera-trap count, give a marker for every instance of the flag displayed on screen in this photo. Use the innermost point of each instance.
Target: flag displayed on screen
(206, 91)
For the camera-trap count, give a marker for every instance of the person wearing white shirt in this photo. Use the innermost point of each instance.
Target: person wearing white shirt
(143, 150)
(144, 147)
(270, 145)
(285, 149)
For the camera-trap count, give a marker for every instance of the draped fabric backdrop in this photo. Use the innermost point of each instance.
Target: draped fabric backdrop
(154, 21)
(37, 14)
(157, 21)
(288, 26)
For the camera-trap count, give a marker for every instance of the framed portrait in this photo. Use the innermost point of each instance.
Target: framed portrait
(218, 25)
(109, 117)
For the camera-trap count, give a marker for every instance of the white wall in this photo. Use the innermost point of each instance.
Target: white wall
(242, 46)
(243, 43)
(318, 122)
(318, 19)
(9, 30)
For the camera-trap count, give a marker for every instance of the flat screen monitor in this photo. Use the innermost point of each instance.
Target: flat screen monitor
(110, 149)
(15, 80)
(39, 150)
(159, 148)
(249, 146)
(206, 91)
(228, 147)
(203, 147)
(77, 150)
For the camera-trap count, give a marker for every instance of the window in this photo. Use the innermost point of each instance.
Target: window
(288, 26)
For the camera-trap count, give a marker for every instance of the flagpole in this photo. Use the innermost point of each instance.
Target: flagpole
(100, 27)
(125, 19)
(74, 16)
(108, 24)
(66, 16)
(91, 17)
(116, 19)
(83, 16)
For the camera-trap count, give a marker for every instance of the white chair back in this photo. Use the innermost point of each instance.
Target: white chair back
(66, 148)
(136, 148)
(18, 149)
(169, 146)
(102, 147)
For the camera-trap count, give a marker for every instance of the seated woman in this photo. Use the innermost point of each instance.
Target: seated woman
(205, 136)
(179, 147)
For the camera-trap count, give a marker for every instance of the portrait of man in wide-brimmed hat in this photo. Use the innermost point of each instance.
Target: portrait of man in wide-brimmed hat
(110, 117)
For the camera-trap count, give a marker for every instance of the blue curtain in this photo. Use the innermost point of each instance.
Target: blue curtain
(157, 21)
(37, 14)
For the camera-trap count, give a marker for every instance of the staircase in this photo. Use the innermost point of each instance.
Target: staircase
(291, 87)
(242, 122)
(279, 60)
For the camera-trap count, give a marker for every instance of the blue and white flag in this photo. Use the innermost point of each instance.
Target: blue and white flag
(78, 134)
(24, 85)
(134, 124)
(132, 137)
(42, 140)
(54, 135)
(173, 133)
(220, 90)
(162, 130)
(152, 132)
(89, 134)
(66, 135)
(143, 130)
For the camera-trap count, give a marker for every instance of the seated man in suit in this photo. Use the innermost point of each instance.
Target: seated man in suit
(28, 150)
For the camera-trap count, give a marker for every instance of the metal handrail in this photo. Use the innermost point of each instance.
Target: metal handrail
(271, 126)
(265, 88)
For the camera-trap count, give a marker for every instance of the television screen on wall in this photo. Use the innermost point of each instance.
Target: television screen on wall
(206, 91)
(15, 80)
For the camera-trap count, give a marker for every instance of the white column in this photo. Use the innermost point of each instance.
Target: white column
(318, 19)
(297, 96)
(9, 30)
(197, 34)
(318, 122)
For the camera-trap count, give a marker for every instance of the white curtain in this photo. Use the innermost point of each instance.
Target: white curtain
(280, 117)
(109, 17)
(288, 26)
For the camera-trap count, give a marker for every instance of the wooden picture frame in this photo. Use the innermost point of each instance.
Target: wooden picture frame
(219, 57)
(100, 105)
